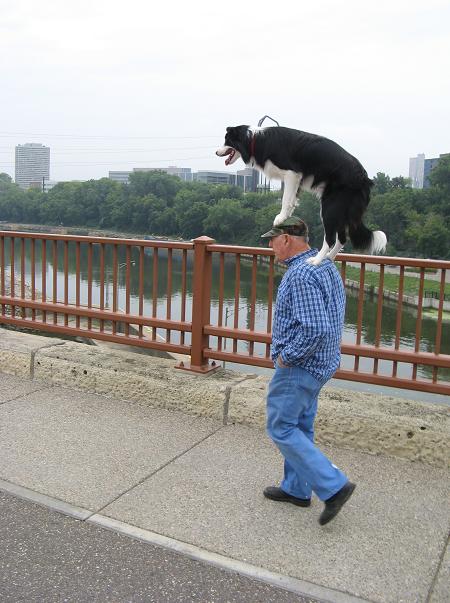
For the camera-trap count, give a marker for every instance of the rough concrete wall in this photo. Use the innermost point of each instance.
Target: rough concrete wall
(373, 423)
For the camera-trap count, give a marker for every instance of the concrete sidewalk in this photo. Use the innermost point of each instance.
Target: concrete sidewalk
(195, 485)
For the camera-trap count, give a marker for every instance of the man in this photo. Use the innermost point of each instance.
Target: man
(306, 337)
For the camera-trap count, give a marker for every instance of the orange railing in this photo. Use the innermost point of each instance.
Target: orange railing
(178, 296)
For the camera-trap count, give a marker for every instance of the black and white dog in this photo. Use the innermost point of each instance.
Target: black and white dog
(313, 163)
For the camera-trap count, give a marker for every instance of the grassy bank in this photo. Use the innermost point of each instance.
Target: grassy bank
(391, 281)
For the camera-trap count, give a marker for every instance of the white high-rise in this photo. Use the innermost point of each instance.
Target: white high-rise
(32, 163)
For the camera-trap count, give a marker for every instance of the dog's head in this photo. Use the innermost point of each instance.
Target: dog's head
(236, 144)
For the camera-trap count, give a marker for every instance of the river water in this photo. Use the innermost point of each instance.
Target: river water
(408, 326)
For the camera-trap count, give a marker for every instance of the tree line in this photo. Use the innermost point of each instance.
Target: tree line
(416, 222)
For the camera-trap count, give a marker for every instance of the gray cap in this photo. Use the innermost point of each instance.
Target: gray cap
(292, 226)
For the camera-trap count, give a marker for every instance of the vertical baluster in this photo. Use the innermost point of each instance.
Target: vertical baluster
(12, 276)
(89, 284)
(33, 276)
(102, 284)
(221, 300)
(237, 287)
(419, 319)
(78, 277)
(55, 278)
(44, 276)
(127, 286)
(155, 289)
(398, 322)
(360, 312)
(169, 291)
(115, 271)
(253, 303)
(437, 345)
(183, 292)
(2, 270)
(66, 281)
(343, 271)
(379, 316)
(22, 274)
(141, 287)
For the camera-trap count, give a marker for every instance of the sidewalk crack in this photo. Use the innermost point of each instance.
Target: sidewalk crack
(160, 468)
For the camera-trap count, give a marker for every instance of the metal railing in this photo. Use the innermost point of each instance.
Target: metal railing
(162, 298)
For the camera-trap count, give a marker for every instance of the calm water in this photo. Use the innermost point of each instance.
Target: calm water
(408, 326)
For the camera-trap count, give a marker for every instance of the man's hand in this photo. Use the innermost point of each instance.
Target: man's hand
(281, 363)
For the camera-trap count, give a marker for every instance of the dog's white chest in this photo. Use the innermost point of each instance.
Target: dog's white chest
(271, 171)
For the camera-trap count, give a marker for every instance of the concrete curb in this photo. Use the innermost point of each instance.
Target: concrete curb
(367, 422)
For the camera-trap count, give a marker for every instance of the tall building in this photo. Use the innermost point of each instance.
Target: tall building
(32, 164)
(416, 169)
(248, 179)
(420, 168)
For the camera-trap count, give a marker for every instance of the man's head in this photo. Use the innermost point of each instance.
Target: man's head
(288, 238)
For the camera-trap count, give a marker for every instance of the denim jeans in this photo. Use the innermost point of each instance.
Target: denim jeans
(291, 410)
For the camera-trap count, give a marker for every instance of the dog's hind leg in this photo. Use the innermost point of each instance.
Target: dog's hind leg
(340, 241)
(317, 259)
(289, 200)
(335, 250)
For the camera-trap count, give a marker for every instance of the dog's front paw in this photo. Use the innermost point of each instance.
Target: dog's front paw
(315, 261)
(279, 219)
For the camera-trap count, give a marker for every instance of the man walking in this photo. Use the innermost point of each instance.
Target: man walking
(306, 338)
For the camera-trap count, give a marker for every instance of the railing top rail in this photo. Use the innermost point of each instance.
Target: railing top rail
(239, 249)
(393, 261)
(342, 257)
(86, 239)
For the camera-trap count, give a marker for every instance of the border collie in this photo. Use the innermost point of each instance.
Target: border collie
(316, 164)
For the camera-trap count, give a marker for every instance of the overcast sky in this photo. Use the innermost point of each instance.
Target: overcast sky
(114, 85)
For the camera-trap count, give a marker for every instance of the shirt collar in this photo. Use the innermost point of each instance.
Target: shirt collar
(300, 256)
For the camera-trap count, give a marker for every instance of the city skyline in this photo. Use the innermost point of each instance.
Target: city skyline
(155, 86)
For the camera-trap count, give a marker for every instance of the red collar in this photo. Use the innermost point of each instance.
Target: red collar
(252, 146)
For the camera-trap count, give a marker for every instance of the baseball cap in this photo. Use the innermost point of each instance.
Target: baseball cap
(292, 226)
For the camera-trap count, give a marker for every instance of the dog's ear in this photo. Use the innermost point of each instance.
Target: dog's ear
(229, 129)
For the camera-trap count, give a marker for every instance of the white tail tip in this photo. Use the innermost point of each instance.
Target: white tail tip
(379, 242)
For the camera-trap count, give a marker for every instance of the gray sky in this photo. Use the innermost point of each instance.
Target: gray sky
(114, 85)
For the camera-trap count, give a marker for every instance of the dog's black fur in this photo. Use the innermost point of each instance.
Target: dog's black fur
(310, 162)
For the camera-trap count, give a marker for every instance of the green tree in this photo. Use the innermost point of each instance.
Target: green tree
(381, 184)
(229, 222)
(191, 221)
(440, 174)
(157, 183)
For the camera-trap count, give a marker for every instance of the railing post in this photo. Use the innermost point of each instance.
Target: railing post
(201, 303)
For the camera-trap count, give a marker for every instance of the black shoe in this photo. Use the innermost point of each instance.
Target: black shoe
(334, 504)
(281, 496)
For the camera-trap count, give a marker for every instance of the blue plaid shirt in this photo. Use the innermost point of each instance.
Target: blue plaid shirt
(309, 316)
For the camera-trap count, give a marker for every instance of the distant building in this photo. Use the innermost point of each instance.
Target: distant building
(248, 180)
(420, 169)
(119, 176)
(32, 164)
(183, 173)
(210, 177)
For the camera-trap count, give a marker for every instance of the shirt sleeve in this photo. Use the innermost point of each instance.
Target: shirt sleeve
(310, 321)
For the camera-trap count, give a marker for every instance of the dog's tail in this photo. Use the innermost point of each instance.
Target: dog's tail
(363, 239)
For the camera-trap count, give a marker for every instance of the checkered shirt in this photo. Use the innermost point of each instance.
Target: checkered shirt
(309, 316)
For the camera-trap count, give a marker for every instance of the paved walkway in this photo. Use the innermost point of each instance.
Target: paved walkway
(194, 486)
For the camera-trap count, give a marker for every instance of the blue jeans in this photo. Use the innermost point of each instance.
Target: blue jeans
(291, 410)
